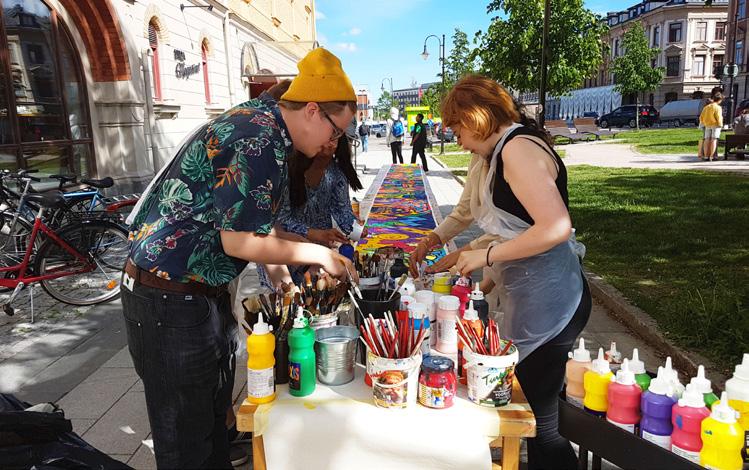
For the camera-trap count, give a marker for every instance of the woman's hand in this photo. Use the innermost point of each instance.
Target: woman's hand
(339, 266)
(471, 260)
(422, 250)
(326, 237)
(445, 263)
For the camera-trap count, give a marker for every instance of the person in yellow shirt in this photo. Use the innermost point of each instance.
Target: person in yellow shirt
(711, 119)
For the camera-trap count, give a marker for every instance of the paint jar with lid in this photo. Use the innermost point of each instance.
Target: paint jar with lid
(437, 382)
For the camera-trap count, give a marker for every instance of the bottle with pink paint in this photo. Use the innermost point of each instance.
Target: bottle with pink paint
(686, 416)
(624, 400)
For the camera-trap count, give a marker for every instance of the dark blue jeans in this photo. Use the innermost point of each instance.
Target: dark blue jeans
(183, 349)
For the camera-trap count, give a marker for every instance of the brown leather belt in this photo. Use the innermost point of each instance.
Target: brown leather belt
(150, 279)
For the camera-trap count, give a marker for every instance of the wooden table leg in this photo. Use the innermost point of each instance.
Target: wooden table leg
(258, 453)
(511, 453)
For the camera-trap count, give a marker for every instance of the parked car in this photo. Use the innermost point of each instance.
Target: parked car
(378, 130)
(591, 114)
(682, 112)
(449, 134)
(743, 104)
(625, 116)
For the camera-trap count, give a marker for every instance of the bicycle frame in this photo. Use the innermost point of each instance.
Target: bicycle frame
(21, 268)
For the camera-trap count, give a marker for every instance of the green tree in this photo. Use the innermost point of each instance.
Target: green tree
(431, 98)
(382, 108)
(633, 69)
(510, 49)
(461, 61)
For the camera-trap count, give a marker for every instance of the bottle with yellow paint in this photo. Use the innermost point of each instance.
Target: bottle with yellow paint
(261, 386)
(596, 383)
(722, 438)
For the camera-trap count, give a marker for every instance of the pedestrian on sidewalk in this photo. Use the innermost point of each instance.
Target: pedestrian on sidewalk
(711, 119)
(419, 142)
(394, 138)
(364, 136)
(211, 212)
(536, 265)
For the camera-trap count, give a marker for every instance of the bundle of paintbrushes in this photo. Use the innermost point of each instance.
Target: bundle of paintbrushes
(489, 345)
(387, 339)
(322, 294)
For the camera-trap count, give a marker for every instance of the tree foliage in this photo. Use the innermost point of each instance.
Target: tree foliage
(432, 98)
(384, 103)
(461, 61)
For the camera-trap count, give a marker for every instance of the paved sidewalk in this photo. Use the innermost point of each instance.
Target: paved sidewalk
(108, 406)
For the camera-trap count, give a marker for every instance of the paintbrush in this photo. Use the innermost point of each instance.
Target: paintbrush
(401, 281)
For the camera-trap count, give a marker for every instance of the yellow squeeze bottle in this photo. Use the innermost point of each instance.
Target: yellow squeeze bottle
(261, 386)
(722, 438)
(596, 383)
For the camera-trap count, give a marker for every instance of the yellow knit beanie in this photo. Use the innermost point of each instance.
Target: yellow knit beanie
(321, 78)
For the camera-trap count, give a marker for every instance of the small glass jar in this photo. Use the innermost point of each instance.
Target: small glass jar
(437, 382)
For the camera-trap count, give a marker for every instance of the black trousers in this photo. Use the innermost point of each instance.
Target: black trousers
(183, 348)
(419, 150)
(396, 150)
(541, 375)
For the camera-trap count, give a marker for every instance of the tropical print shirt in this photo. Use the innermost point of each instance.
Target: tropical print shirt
(231, 176)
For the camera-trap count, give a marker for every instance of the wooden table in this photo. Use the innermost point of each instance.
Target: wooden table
(514, 424)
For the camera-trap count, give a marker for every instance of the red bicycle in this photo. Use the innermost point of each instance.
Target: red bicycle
(78, 264)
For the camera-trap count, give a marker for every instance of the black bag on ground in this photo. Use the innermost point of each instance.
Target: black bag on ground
(44, 441)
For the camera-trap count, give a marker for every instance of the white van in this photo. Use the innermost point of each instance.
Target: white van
(682, 112)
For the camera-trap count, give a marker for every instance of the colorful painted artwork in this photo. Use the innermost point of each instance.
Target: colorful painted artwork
(400, 214)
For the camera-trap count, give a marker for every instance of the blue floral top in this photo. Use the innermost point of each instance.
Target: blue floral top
(231, 177)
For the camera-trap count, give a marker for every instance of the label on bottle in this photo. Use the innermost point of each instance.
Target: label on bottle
(433, 397)
(425, 345)
(661, 441)
(295, 376)
(447, 332)
(260, 382)
(575, 401)
(626, 427)
(690, 455)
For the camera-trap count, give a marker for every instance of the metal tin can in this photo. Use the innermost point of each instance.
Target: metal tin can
(437, 382)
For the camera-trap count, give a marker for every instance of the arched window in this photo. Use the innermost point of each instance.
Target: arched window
(44, 115)
(206, 83)
(153, 43)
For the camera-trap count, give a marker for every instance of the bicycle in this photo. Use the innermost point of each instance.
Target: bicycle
(78, 264)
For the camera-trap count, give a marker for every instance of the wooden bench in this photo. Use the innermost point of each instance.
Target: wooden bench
(588, 126)
(559, 128)
(734, 145)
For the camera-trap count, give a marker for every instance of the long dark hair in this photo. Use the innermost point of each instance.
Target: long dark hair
(531, 123)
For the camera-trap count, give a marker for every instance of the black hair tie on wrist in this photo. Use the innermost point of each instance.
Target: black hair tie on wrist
(487, 256)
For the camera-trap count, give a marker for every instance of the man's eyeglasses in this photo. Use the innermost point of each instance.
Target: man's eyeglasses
(337, 131)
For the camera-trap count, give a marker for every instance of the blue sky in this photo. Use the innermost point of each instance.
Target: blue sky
(384, 38)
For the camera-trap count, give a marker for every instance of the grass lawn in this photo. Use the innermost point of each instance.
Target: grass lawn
(664, 141)
(676, 244)
(459, 160)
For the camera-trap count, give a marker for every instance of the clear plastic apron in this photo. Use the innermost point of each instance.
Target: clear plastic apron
(540, 294)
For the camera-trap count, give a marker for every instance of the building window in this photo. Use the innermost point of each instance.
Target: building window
(672, 66)
(44, 116)
(153, 43)
(739, 52)
(204, 63)
(717, 64)
(720, 31)
(698, 66)
(657, 36)
(674, 32)
(616, 48)
(741, 8)
(671, 96)
(701, 32)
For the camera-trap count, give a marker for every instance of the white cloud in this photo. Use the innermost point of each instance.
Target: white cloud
(319, 15)
(355, 31)
(346, 46)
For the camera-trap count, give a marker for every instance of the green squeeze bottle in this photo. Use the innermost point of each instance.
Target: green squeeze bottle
(302, 373)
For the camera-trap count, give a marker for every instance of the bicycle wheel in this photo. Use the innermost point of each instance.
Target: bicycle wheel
(105, 247)
(75, 209)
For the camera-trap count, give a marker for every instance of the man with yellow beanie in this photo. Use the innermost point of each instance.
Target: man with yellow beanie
(211, 212)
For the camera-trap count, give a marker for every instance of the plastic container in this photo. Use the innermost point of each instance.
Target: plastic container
(408, 288)
(335, 351)
(447, 317)
(490, 378)
(674, 377)
(421, 320)
(614, 357)
(323, 321)
(737, 388)
(704, 386)
(596, 383)
(722, 436)
(638, 367)
(480, 304)
(656, 405)
(261, 384)
(577, 365)
(437, 382)
(686, 417)
(442, 284)
(347, 250)
(426, 297)
(395, 382)
(301, 357)
(624, 400)
(463, 293)
(470, 320)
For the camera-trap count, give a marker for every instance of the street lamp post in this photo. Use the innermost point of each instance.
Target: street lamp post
(731, 98)
(544, 65)
(382, 88)
(425, 56)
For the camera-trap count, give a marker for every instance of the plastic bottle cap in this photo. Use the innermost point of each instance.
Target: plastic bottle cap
(742, 370)
(692, 397)
(418, 310)
(476, 293)
(581, 354)
(299, 320)
(701, 383)
(661, 385)
(470, 314)
(625, 376)
(722, 412)
(613, 354)
(635, 364)
(261, 328)
(449, 302)
(601, 365)
(672, 374)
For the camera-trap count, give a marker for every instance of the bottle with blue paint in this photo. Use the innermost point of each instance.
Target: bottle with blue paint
(656, 405)
(420, 315)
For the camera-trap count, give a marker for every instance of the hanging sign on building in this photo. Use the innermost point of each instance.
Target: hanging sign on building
(182, 70)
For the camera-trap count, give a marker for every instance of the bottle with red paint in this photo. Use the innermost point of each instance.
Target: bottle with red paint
(462, 290)
(686, 416)
(624, 400)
